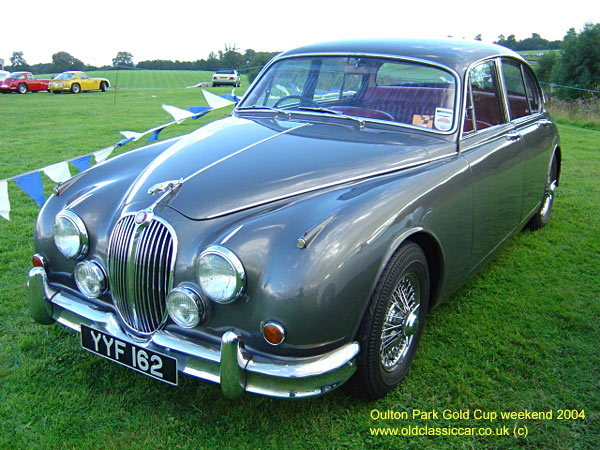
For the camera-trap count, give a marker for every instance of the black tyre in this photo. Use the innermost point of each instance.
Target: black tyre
(75, 88)
(22, 88)
(542, 216)
(103, 86)
(393, 323)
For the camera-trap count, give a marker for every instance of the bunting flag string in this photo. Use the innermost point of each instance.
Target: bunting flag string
(31, 182)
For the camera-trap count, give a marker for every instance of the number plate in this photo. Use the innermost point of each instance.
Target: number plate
(155, 365)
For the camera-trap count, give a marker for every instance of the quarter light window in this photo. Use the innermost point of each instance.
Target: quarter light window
(533, 92)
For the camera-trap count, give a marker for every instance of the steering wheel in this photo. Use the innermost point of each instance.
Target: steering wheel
(287, 97)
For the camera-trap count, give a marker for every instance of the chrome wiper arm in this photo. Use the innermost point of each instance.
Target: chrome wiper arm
(320, 109)
(361, 122)
(263, 108)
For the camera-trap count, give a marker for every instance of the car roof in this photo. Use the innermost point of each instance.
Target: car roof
(454, 54)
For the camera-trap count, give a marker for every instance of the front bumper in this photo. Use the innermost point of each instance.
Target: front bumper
(231, 365)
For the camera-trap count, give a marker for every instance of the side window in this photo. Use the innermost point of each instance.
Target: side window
(533, 92)
(515, 89)
(484, 108)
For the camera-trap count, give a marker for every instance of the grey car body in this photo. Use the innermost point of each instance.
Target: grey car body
(315, 205)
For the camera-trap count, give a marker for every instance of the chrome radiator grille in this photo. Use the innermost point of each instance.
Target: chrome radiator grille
(140, 263)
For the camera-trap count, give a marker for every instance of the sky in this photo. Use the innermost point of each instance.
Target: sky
(185, 30)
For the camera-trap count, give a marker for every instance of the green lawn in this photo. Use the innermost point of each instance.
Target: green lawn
(522, 335)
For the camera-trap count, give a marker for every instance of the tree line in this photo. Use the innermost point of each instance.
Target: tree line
(249, 62)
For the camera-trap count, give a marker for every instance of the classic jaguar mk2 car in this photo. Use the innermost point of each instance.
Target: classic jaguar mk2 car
(76, 81)
(299, 243)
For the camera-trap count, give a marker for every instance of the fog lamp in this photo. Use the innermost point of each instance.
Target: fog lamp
(90, 279)
(186, 307)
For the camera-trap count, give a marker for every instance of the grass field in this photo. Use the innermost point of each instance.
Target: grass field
(522, 335)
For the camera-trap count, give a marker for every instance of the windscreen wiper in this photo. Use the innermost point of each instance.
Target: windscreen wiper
(361, 122)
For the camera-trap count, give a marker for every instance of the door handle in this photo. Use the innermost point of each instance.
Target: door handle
(513, 136)
(543, 123)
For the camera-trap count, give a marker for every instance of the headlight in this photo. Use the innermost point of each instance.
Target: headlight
(186, 307)
(90, 279)
(220, 274)
(70, 235)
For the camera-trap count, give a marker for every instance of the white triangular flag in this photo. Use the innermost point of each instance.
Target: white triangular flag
(58, 172)
(101, 155)
(131, 134)
(214, 101)
(179, 115)
(4, 203)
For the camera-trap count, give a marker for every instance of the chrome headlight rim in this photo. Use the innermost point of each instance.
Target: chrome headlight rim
(101, 276)
(235, 263)
(79, 226)
(192, 293)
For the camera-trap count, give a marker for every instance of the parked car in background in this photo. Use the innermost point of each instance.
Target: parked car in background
(300, 243)
(23, 82)
(75, 81)
(226, 77)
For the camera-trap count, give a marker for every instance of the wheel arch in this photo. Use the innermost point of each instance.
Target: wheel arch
(433, 253)
(435, 262)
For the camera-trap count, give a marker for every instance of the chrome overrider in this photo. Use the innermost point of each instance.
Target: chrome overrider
(232, 365)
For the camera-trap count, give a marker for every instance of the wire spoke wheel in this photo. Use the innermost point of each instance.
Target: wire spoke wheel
(401, 319)
(542, 216)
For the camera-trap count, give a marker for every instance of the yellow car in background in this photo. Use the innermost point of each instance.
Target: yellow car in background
(76, 81)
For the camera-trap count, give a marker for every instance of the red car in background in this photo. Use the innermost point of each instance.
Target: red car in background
(23, 82)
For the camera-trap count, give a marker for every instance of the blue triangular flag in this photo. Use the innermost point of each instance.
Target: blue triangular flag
(82, 163)
(199, 111)
(31, 184)
(154, 135)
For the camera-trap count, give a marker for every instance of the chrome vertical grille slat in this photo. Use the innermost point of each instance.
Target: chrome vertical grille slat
(154, 273)
(140, 265)
(158, 279)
